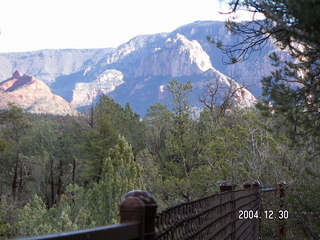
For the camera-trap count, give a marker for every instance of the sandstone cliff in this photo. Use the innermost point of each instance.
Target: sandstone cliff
(32, 95)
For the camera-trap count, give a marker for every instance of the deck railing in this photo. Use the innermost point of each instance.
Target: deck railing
(230, 214)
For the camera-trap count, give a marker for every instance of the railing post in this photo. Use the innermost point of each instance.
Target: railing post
(281, 227)
(247, 184)
(256, 207)
(140, 206)
(225, 186)
(255, 184)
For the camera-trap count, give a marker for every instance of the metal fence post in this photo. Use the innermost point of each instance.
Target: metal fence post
(140, 206)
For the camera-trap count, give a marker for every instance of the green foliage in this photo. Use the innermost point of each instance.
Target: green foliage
(15, 125)
(123, 120)
(304, 198)
(158, 121)
(121, 173)
(71, 175)
(290, 93)
(97, 146)
(5, 146)
(83, 208)
(70, 214)
(34, 219)
(8, 218)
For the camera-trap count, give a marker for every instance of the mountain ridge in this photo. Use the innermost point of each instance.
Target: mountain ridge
(33, 95)
(143, 65)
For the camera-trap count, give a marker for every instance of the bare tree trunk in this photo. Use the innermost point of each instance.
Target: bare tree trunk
(15, 178)
(73, 169)
(52, 184)
(59, 190)
(20, 181)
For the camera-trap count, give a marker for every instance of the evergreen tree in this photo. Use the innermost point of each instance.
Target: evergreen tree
(123, 120)
(158, 121)
(291, 92)
(97, 146)
(121, 174)
(14, 126)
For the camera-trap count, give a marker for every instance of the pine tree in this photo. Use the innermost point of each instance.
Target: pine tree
(15, 125)
(98, 144)
(120, 174)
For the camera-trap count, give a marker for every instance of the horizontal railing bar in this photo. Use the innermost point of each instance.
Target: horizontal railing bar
(246, 204)
(165, 230)
(273, 189)
(200, 199)
(124, 231)
(214, 222)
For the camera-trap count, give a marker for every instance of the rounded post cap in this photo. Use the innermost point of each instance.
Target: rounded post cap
(282, 182)
(256, 183)
(144, 196)
(247, 184)
(225, 186)
(131, 203)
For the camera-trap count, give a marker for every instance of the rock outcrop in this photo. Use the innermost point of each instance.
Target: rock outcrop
(84, 93)
(48, 65)
(176, 57)
(32, 95)
(139, 70)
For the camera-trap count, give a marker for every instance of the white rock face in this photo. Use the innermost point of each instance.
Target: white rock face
(243, 97)
(85, 93)
(131, 46)
(47, 65)
(178, 57)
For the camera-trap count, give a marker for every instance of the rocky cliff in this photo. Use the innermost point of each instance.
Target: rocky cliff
(138, 70)
(48, 65)
(176, 57)
(32, 95)
(85, 93)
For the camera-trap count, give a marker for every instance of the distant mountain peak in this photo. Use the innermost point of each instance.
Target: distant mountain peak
(16, 74)
(33, 95)
(137, 71)
(16, 81)
(177, 56)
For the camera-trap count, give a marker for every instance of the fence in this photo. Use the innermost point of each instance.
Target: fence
(230, 214)
(212, 217)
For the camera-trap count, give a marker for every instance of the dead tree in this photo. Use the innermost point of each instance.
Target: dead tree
(219, 98)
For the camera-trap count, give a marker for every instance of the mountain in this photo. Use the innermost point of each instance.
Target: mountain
(85, 93)
(33, 95)
(150, 67)
(138, 70)
(48, 65)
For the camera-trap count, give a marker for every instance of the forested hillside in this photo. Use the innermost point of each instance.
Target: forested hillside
(61, 173)
(66, 173)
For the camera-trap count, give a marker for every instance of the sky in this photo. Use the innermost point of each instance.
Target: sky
(28, 25)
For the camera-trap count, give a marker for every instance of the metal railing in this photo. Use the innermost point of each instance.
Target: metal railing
(124, 231)
(212, 217)
(230, 214)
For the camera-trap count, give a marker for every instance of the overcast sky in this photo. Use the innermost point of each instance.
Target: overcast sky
(45, 24)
